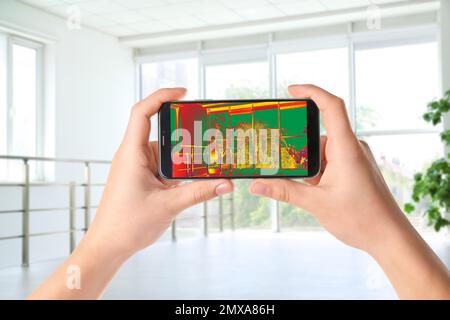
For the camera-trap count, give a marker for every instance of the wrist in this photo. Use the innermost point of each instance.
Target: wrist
(392, 231)
(102, 247)
(412, 267)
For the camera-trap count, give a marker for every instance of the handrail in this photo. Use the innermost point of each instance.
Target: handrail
(26, 210)
(12, 157)
(87, 184)
(48, 184)
(45, 209)
(39, 234)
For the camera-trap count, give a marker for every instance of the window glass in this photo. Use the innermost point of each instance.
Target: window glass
(325, 68)
(394, 85)
(181, 73)
(3, 97)
(24, 98)
(20, 119)
(175, 73)
(399, 157)
(240, 81)
(237, 81)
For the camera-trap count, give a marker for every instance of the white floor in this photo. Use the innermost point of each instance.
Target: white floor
(239, 265)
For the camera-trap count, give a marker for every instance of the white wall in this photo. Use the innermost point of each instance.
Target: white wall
(94, 90)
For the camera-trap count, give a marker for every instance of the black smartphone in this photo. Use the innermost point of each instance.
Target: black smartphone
(204, 139)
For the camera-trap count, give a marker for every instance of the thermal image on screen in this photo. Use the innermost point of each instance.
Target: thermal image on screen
(239, 139)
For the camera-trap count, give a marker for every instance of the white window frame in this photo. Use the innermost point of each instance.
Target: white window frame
(353, 41)
(139, 61)
(413, 35)
(12, 40)
(227, 57)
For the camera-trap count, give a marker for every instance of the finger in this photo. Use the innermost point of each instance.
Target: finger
(286, 190)
(169, 183)
(153, 145)
(138, 129)
(187, 195)
(366, 148)
(333, 109)
(323, 162)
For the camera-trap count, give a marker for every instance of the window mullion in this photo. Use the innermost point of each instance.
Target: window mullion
(271, 57)
(352, 79)
(9, 100)
(40, 113)
(201, 72)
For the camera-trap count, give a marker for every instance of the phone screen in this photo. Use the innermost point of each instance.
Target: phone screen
(228, 139)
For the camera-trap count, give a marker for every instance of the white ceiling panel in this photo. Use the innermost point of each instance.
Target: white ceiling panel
(150, 26)
(125, 17)
(300, 7)
(344, 4)
(139, 4)
(137, 17)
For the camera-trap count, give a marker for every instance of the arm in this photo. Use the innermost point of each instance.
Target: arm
(352, 201)
(136, 208)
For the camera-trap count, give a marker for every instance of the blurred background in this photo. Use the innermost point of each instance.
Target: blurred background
(70, 70)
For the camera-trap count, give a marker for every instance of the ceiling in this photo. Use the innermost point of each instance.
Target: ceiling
(123, 18)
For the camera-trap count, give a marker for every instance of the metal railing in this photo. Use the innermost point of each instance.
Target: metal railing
(72, 208)
(26, 185)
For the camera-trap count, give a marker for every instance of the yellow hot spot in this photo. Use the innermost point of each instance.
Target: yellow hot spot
(287, 160)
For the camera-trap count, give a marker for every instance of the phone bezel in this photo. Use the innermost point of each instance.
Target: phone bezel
(164, 150)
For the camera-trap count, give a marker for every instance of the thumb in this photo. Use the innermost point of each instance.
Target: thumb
(186, 195)
(285, 190)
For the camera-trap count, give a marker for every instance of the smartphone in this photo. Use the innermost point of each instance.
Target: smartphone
(210, 139)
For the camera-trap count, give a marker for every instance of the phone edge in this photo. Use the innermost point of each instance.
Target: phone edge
(161, 173)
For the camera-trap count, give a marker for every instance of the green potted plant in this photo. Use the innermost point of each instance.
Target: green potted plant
(433, 185)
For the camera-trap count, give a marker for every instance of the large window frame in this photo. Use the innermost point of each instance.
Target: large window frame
(39, 47)
(268, 52)
(11, 41)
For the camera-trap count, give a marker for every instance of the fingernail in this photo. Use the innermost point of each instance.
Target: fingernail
(259, 189)
(223, 188)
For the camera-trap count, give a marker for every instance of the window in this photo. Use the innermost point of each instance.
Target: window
(393, 86)
(401, 156)
(176, 73)
(237, 81)
(182, 73)
(3, 102)
(325, 68)
(379, 80)
(249, 80)
(23, 124)
(20, 107)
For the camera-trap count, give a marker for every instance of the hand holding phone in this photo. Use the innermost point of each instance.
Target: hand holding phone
(352, 201)
(349, 197)
(137, 206)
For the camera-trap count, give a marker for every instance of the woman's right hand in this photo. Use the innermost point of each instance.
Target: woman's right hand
(352, 201)
(349, 197)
